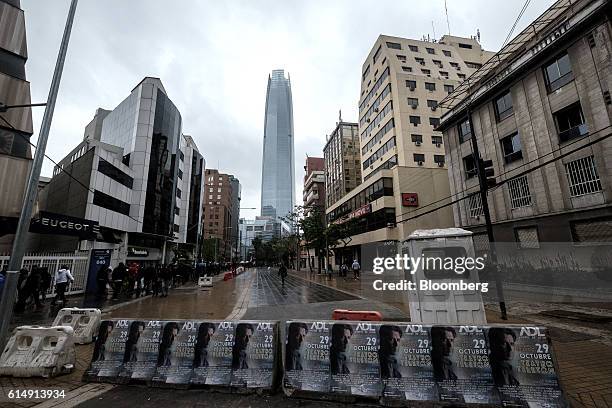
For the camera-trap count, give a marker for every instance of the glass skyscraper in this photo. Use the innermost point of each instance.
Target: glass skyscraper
(277, 176)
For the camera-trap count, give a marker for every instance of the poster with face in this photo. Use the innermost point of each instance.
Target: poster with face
(459, 356)
(253, 354)
(176, 352)
(212, 353)
(306, 361)
(108, 351)
(353, 356)
(405, 362)
(522, 367)
(141, 351)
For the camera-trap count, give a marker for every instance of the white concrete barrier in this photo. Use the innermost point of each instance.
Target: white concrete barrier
(205, 281)
(84, 322)
(34, 351)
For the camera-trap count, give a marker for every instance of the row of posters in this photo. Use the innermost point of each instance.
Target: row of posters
(224, 353)
(509, 366)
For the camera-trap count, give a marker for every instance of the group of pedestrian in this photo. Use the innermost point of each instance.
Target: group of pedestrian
(33, 286)
(132, 281)
(355, 267)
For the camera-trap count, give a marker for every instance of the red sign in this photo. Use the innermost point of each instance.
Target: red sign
(410, 199)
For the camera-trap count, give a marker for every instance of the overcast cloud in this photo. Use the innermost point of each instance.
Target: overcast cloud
(214, 58)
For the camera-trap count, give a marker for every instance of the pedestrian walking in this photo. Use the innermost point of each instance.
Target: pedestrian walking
(166, 277)
(45, 283)
(356, 269)
(118, 276)
(282, 271)
(22, 290)
(103, 279)
(330, 271)
(344, 270)
(33, 286)
(62, 278)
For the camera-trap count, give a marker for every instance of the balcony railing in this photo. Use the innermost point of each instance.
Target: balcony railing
(576, 131)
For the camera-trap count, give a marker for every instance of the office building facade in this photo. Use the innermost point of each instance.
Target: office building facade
(402, 155)
(262, 227)
(278, 165)
(342, 161)
(534, 113)
(16, 123)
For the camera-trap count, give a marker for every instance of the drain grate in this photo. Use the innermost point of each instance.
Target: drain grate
(579, 316)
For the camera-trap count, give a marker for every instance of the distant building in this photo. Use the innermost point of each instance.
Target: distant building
(278, 164)
(264, 228)
(15, 124)
(342, 162)
(314, 183)
(221, 210)
(545, 94)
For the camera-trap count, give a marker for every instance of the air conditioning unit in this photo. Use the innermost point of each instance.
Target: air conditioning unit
(422, 62)
(411, 88)
(417, 143)
(438, 144)
(368, 120)
(433, 108)
(440, 164)
(414, 105)
(375, 109)
(420, 163)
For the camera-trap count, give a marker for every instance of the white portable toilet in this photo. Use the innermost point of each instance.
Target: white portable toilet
(443, 307)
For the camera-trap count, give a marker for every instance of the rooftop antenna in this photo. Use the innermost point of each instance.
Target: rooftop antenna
(447, 22)
(478, 34)
(433, 28)
(340, 115)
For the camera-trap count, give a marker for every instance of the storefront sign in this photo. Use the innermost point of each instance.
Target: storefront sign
(99, 258)
(59, 224)
(138, 252)
(410, 199)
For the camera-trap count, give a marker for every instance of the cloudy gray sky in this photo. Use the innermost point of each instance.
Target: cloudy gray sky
(214, 58)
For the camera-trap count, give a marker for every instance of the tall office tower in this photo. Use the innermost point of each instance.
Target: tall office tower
(277, 176)
(15, 124)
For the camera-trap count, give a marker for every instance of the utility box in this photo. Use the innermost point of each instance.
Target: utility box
(430, 306)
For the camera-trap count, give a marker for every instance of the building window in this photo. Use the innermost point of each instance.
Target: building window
(594, 230)
(426, 72)
(414, 102)
(182, 155)
(473, 65)
(467, 46)
(413, 48)
(570, 122)
(376, 54)
(558, 73)
(365, 73)
(582, 176)
(415, 120)
(438, 63)
(411, 84)
(110, 203)
(503, 106)
(527, 237)
(511, 146)
(178, 192)
(449, 88)
(444, 74)
(180, 174)
(435, 122)
(470, 166)
(439, 159)
(465, 131)
(519, 192)
(416, 138)
(177, 211)
(420, 60)
(475, 206)
(394, 46)
(400, 57)
(432, 104)
(114, 173)
(446, 53)
(437, 140)
(455, 65)
(430, 50)
(430, 86)
(176, 228)
(419, 158)
(407, 69)
(461, 76)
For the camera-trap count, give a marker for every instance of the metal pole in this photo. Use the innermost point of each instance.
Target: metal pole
(482, 180)
(8, 295)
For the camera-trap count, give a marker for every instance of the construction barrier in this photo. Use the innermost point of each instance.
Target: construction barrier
(364, 315)
(205, 282)
(182, 353)
(404, 363)
(34, 351)
(84, 322)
